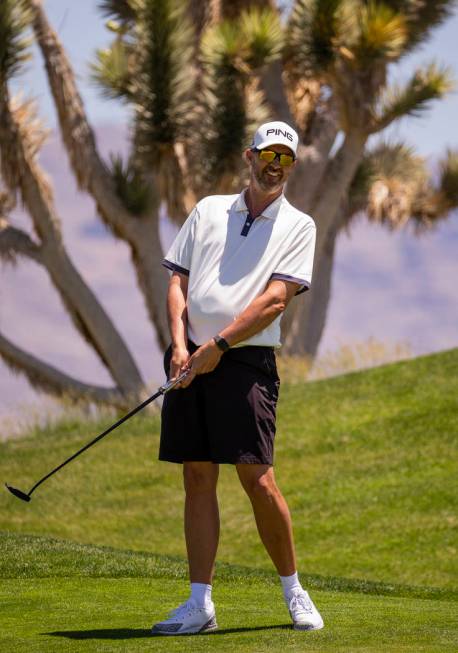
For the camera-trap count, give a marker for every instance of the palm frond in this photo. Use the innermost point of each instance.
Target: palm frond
(262, 33)
(232, 102)
(130, 187)
(448, 184)
(314, 32)
(391, 159)
(15, 18)
(164, 81)
(394, 187)
(124, 11)
(388, 183)
(224, 130)
(113, 71)
(380, 33)
(222, 46)
(426, 84)
(422, 17)
(32, 130)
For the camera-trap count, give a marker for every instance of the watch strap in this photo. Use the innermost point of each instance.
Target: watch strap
(221, 343)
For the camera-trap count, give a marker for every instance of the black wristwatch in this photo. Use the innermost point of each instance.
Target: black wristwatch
(221, 343)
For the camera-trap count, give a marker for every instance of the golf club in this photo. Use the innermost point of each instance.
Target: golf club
(161, 391)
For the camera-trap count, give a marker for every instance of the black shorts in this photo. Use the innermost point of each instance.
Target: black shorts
(225, 416)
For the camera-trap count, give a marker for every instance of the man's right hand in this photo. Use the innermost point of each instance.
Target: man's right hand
(180, 356)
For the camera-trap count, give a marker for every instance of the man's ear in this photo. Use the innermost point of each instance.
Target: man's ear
(248, 155)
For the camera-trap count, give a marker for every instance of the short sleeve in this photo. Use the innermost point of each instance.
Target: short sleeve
(178, 258)
(297, 263)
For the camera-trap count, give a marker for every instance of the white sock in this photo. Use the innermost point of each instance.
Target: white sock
(201, 594)
(290, 585)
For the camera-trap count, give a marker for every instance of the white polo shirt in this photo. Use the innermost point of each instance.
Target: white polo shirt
(230, 257)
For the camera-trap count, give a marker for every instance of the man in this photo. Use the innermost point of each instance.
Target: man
(236, 263)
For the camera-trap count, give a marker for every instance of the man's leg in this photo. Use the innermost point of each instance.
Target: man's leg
(201, 519)
(201, 524)
(272, 515)
(275, 529)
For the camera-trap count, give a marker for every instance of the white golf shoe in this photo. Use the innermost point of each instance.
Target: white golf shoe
(303, 612)
(186, 620)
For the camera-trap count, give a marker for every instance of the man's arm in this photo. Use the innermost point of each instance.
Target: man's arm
(257, 316)
(261, 312)
(178, 320)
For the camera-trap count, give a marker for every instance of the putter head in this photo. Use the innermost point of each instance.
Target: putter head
(18, 493)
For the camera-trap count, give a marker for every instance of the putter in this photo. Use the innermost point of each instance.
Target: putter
(161, 391)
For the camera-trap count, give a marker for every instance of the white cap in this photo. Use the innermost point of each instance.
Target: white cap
(275, 133)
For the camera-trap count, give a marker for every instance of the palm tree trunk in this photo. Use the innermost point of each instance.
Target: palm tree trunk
(334, 185)
(312, 160)
(274, 92)
(301, 329)
(146, 252)
(301, 189)
(306, 330)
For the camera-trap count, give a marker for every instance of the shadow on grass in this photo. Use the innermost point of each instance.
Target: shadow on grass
(139, 633)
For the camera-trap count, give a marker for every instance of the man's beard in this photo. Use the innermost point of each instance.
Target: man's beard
(267, 182)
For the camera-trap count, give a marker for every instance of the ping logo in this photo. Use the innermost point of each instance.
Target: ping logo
(279, 132)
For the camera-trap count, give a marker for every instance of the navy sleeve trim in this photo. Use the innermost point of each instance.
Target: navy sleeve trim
(304, 285)
(174, 267)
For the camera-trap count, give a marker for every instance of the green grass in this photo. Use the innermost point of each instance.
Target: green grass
(63, 596)
(368, 463)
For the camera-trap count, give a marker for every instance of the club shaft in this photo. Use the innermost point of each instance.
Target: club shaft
(99, 437)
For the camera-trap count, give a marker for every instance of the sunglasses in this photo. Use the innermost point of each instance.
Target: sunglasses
(269, 156)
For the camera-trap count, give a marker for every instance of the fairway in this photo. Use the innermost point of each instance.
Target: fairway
(98, 555)
(79, 612)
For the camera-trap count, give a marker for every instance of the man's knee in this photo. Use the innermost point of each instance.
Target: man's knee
(200, 477)
(259, 484)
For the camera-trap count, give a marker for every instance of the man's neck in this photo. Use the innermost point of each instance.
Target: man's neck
(256, 200)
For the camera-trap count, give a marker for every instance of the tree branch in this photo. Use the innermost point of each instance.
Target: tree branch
(274, 92)
(14, 242)
(48, 379)
(20, 171)
(91, 172)
(312, 160)
(334, 185)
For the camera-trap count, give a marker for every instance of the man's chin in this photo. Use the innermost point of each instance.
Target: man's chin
(270, 185)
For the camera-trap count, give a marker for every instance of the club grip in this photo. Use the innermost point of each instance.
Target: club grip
(173, 382)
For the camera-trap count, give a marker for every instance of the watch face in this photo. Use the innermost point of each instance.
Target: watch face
(221, 343)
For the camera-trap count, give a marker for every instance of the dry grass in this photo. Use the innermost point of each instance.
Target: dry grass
(345, 358)
(26, 417)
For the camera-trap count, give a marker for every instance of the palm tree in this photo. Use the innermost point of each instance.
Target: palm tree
(198, 76)
(21, 136)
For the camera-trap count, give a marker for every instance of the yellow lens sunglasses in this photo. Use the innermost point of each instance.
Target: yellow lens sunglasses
(269, 156)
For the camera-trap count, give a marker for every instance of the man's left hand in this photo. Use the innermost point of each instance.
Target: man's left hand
(204, 360)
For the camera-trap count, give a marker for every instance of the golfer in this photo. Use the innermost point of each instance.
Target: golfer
(236, 264)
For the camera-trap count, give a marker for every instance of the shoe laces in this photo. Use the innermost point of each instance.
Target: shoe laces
(301, 601)
(184, 608)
